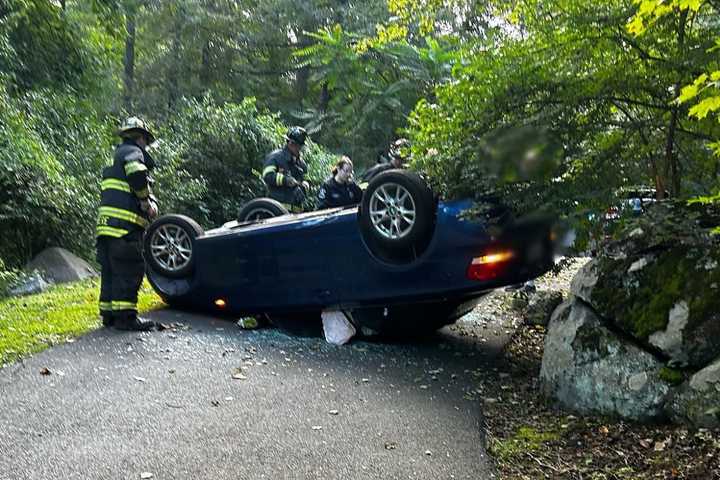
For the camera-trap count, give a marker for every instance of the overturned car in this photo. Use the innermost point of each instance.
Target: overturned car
(401, 261)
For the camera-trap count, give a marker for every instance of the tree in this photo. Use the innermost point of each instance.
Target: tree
(705, 89)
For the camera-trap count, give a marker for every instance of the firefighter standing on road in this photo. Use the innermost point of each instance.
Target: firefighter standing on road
(126, 208)
(284, 171)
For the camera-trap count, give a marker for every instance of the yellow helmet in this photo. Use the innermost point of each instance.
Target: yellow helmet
(135, 124)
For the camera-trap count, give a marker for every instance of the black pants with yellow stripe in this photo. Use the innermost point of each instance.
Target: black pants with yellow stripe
(121, 273)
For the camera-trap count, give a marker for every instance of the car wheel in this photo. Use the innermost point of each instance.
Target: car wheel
(169, 245)
(261, 208)
(397, 215)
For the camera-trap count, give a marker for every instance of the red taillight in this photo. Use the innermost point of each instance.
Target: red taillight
(489, 266)
(220, 303)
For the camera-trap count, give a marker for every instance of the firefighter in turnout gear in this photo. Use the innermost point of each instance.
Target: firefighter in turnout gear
(126, 208)
(284, 172)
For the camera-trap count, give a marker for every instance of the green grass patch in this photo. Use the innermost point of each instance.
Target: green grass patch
(526, 439)
(32, 323)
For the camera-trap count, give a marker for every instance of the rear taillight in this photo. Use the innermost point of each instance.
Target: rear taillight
(490, 265)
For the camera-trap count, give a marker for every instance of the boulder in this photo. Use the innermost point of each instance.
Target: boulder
(588, 368)
(30, 285)
(585, 280)
(697, 401)
(668, 300)
(540, 307)
(58, 265)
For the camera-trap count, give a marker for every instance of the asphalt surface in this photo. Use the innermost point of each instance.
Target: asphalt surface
(125, 405)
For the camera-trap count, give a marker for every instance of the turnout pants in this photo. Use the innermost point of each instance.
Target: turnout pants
(122, 270)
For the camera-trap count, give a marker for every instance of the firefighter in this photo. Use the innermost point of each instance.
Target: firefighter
(126, 208)
(397, 154)
(340, 189)
(284, 171)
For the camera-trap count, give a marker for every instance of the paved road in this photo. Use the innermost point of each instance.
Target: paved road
(117, 405)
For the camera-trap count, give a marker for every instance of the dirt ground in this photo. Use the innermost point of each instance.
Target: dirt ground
(531, 439)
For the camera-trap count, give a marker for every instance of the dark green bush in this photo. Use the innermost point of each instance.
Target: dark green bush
(36, 193)
(211, 156)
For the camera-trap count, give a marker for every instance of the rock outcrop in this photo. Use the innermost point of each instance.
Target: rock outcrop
(638, 337)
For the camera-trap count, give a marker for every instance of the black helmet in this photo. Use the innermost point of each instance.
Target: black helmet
(296, 135)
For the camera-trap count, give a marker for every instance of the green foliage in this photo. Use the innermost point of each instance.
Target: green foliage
(51, 48)
(8, 278)
(369, 88)
(35, 195)
(705, 89)
(590, 104)
(210, 156)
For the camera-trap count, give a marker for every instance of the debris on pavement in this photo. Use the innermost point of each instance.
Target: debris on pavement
(337, 327)
(248, 323)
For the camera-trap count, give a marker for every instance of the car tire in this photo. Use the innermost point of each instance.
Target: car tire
(397, 215)
(261, 208)
(169, 245)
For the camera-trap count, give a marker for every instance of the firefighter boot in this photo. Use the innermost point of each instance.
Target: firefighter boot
(107, 319)
(131, 321)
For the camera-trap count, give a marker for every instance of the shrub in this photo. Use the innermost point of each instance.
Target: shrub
(211, 158)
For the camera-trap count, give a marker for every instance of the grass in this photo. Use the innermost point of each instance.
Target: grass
(526, 439)
(33, 323)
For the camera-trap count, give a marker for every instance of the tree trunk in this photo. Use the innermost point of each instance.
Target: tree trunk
(324, 98)
(205, 68)
(129, 77)
(301, 85)
(671, 159)
(174, 71)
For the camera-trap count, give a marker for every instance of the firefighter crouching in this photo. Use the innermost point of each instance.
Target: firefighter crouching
(126, 208)
(284, 172)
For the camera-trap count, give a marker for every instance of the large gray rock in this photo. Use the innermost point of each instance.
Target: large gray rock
(668, 300)
(587, 368)
(585, 280)
(58, 265)
(697, 401)
(659, 282)
(540, 307)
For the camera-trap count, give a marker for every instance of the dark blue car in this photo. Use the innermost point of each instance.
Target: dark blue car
(400, 260)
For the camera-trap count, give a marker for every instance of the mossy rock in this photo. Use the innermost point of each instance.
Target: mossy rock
(668, 300)
(587, 368)
(697, 402)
